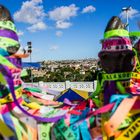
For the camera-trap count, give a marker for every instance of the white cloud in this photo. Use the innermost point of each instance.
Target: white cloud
(63, 12)
(53, 48)
(59, 33)
(62, 15)
(20, 33)
(37, 27)
(32, 12)
(88, 9)
(63, 24)
(131, 13)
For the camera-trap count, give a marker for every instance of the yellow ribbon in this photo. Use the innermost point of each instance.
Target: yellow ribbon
(7, 42)
(131, 132)
(5, 130)
(9, 98)
(8, 25)
(31, 105)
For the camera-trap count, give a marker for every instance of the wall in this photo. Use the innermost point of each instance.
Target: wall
(60, 86)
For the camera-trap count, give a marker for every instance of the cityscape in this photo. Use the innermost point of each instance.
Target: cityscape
(60, 71)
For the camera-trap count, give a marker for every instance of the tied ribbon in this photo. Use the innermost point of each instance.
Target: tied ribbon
(20, 131)
(117, 99)
(126, 123)
(118, 117)
(99, 89)
(113, 77)
(31, 126)
(76, 130)
(65, 130)
(116, 41)
(7, 42)
(84, 131)
(9, 106)
(120, 32)
(117, 32)
(104, 109)
(5, 130)
(8, 98)
(68, 102)
(8, 25)
(131, 132)
(120, 76)
(8, 34)
(8, 76)
(137, 60)
(8, 120)
(42, 96)
(56, 135)
(31, 89)
(137, 34)
(44, 131)
(3, 52)
(6, 62)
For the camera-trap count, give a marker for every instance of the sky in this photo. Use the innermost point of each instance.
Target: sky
(67, 29)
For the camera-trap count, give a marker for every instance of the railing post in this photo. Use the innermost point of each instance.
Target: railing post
(94, 85)
(67, 84)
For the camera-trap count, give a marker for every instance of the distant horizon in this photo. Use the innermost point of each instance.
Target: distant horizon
(60, 60)
(70, 29)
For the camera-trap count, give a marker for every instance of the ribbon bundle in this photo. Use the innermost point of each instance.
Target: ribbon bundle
(112, 112)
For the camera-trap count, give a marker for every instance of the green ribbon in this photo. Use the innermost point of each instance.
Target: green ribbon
(99, 89)
(120, 32)
(2, 80)
(120, 76)
(137, 60)
(120, 87)
(57, 134)
(65, 130)
(7, 42)
(125, 123)
(117, 32)
(24, 73)
(128, 121)
(137, 34)
(51, 113)
(18, 127)
(8, 25)
(112, 77)
(33, 89)
(99, 86)
(6, 62)
(44, 131)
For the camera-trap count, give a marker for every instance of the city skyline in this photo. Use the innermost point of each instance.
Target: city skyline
(67, 29)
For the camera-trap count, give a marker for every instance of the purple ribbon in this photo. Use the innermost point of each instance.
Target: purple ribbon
(16, 61)
(68, 102)
(110, 89)
(9, 34)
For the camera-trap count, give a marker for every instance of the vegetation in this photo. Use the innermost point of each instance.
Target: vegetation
(63, 74)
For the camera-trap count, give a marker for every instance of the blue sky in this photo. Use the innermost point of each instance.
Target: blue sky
(66, 29)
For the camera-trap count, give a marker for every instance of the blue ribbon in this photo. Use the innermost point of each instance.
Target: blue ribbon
(117, 99)
(7, 119)
(3, 52)
(84, 131)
